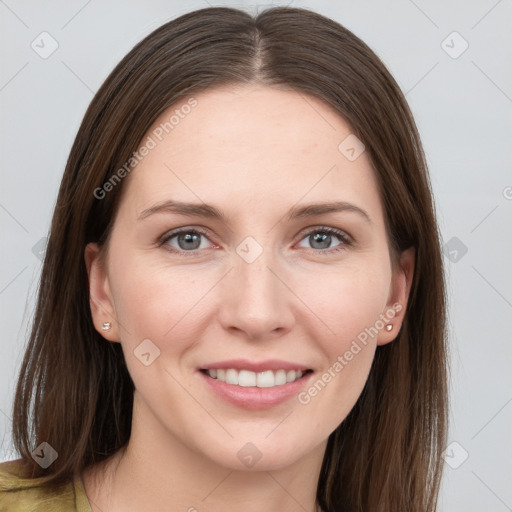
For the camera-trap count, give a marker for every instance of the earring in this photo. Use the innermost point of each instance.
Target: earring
(106, 326)
(389, 327)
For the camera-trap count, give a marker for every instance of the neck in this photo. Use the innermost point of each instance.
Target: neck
(156, 470)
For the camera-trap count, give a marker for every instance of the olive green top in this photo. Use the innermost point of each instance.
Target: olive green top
(18, 494)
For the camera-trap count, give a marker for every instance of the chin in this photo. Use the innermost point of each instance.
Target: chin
(258, 456)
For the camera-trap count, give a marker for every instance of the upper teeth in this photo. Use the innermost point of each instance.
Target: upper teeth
(246, 378)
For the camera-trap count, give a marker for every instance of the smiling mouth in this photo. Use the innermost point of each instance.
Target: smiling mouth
(247, 378)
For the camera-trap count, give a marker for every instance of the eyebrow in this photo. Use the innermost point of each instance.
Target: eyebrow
(211, 212)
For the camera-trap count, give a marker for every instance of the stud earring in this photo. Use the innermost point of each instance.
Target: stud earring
(389, 327)
(106, 326)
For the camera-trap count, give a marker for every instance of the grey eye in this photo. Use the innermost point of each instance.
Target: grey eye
(186, 240)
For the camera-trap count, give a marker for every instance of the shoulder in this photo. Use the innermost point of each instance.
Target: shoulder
(19, 494)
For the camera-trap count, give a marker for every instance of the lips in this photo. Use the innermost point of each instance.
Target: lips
(253, 384)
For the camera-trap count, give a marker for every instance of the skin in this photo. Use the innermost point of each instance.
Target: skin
(253, 152)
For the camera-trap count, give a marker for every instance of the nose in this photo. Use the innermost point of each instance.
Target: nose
(256, 300)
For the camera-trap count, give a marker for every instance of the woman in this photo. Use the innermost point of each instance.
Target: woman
(242, 302)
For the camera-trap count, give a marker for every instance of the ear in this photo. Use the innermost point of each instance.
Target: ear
(100, 297)
(396, 306)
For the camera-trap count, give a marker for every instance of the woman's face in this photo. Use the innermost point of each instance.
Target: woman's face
(255, 282)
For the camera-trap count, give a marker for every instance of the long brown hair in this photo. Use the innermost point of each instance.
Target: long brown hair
(74, 390)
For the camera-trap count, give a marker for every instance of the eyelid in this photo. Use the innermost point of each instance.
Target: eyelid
(186, 229)
(329, 229)
(346, 239)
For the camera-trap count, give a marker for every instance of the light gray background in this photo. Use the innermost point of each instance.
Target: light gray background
(463, 109)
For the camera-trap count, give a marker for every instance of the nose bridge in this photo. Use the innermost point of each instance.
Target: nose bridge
(257, 301)
(254, 280)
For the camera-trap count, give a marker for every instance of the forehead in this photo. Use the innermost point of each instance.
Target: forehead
(251, 144)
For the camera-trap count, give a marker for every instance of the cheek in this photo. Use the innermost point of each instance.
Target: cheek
(155, 301)
(159, 304)
(348, 301)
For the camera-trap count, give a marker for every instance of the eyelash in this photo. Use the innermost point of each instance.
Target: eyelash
(344, 238)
